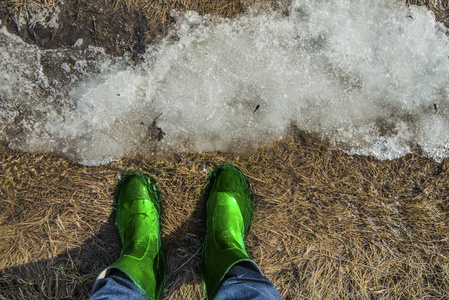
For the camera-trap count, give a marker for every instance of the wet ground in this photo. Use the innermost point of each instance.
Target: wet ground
(120, 26)
(117, 26)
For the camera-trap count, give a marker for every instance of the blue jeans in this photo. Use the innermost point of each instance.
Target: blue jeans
(243, 281)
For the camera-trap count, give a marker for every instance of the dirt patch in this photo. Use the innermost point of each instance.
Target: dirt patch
(123, 26)
(117, 26)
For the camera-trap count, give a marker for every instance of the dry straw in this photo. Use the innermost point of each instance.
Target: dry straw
(327, 225)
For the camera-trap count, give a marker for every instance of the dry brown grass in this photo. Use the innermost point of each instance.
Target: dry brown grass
(221, 7)
(119, 26)
(126, 26)
(439, 7)
(19, 5)
(327, 225)
(225, 8)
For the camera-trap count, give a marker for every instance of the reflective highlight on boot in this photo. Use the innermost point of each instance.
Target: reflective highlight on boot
(226, 211)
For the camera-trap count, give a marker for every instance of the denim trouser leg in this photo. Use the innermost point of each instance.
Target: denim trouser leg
(246, 281)
(115, 285)
(243, 281)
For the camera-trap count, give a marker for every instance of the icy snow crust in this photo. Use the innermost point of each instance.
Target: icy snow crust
(370, 77)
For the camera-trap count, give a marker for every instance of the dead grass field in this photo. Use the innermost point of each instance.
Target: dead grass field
(327, 225)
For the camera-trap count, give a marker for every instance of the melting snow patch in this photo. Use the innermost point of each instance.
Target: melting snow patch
(363, 75)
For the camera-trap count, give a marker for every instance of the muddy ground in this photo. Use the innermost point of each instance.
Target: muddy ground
(124, 25)
(117, 26)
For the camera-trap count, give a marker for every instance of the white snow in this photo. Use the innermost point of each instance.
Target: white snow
(371, 77)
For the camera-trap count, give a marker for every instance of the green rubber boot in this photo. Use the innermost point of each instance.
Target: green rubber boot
(229, 212)
(137, 220)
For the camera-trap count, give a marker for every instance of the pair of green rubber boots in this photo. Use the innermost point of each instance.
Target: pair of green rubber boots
(228, 212)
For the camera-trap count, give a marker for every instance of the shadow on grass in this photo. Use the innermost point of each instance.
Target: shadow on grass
(71, 275)
(182, 249)
(67, 276)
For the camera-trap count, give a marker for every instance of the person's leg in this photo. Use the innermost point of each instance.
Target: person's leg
(116, 286)
(226, 266)
(245, 281)
(141, 263)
